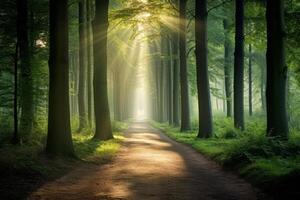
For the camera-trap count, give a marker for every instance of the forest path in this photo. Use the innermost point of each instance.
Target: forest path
(150, 166)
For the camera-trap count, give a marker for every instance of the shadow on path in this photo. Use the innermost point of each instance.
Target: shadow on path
(150, 166)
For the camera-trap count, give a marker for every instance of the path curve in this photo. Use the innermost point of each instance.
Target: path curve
(149, 166)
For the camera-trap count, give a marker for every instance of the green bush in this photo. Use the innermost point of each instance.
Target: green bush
(118, 126)
(263, 161)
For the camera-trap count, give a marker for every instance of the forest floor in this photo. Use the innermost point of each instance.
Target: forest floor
(150, 166)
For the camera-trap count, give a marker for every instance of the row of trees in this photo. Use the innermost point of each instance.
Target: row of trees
(277, 124)
(59, 140)
(93, 66)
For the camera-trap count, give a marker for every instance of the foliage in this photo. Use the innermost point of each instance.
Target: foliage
(29, 158)
(264, 161)
(118, 126)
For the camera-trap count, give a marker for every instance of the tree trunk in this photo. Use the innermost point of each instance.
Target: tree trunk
(82, 65)
(101, 106)
(89, 62)
(239, 66)
(175, 43)
(59, 139)
(227, 68)
(117, 96)
(263, 88)
(16, 138)
(250, 81)
(205, 115)
(277, 125)
(185, 109)
(26, 121)
(169, 81)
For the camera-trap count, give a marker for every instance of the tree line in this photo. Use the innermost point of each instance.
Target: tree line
(196, 49)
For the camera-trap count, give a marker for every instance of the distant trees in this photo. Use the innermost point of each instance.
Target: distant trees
(83, 58)
(250, 81)
(89, 5)
(102, 115)
(59, 139)
(227, 68)
(176, 77)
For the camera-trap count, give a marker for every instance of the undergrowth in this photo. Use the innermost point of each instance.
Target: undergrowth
(265, 162)
(29, 157)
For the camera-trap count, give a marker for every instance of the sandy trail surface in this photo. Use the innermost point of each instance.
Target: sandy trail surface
(149, 166)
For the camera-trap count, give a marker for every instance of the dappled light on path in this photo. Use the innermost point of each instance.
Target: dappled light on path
(149, 166)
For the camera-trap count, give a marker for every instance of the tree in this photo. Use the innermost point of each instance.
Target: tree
(176, 70)
(250, 81)
(102, 116)
(239, 66)
(89, 60)
(205, 116)
(59, 139)
(185, 109)
(82, 64)
(175, 44)
(26, 121)
(227, 68)
(277, 125)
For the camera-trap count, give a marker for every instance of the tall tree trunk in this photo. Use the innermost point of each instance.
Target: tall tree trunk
(185, 109)
(205, 115)
(26, 121)
(89, 62)
(82, 65)
(277, 125)
(263, 88)
(239, 66)
(176, 75)
(163, 71)
(16, 137)
(227, 68)
(102, 114)
(59, 139)
(250, 81)
(169, 81)
(117, 95)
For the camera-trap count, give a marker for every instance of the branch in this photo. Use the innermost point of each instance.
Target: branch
(219, 5)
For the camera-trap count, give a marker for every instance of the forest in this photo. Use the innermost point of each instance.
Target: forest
(150, 99)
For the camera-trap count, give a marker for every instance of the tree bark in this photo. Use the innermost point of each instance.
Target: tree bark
(277, 125)
(82, 66)
(16, 137)
(227, 69)
(185, 108)
(59, 139)
(250, 81)
(204, 103)
(89, 62)
(169, 81)
(26, 121)
(176, 76)
(239, 66)
(102, 115)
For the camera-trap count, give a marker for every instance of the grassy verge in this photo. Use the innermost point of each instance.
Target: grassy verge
(24, 168)
(270, 164)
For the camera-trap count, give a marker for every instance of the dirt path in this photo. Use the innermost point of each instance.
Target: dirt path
(150, 166)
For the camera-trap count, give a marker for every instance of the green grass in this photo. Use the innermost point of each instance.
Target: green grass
(30, 158)
(96, 151)
(263, 161)
(27, 167)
